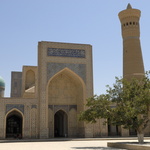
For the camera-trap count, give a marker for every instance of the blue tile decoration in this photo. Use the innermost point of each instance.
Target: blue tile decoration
(53, 68)
(34, 106)
(17, 106)
(50, 107)
(72, 107)
(60, 52)
(67, 108)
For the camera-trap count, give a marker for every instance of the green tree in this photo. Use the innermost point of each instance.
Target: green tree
(126, 103)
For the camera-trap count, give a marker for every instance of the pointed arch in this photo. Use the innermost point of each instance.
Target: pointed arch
(68, 72)
(30, 79)
(60, 124)
(61, 110)
(65, 89)
(72, 73)
(14, 109)
(14, 122)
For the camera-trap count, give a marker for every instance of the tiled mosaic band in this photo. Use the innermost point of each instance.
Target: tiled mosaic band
(66, 52)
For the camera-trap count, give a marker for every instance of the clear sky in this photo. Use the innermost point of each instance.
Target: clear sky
(25, 22)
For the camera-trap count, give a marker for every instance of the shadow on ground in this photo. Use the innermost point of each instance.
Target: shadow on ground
(96, 148)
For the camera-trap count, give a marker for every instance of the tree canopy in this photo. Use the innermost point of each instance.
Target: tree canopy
(127, 103)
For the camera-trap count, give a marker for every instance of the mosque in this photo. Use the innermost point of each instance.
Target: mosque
(46, 99)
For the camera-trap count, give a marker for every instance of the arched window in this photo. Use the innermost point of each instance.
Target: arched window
(30, 79)
(14, 125)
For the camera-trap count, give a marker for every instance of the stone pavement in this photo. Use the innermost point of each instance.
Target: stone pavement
(62, 144)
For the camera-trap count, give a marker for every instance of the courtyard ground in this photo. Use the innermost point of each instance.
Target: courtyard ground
(63, 144)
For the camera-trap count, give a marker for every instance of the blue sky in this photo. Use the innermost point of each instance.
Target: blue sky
(95, 22)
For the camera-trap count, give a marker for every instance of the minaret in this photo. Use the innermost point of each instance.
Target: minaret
(132, 55)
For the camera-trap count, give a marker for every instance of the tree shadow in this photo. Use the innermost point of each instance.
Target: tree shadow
(95, 148)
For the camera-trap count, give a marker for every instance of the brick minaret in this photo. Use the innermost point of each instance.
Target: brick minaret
(132, 54)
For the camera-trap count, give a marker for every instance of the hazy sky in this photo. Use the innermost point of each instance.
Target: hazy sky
(25, 22)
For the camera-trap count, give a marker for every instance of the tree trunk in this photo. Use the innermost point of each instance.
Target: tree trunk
(140, 138)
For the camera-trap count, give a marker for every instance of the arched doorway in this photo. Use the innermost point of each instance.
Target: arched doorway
(66, 88)
(132, 132)
(14, 125)
(113, 130)
(60, 124)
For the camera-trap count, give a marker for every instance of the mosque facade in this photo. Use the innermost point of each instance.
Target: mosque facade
(46, 99)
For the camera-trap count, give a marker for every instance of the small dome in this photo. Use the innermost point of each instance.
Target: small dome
(2, 82)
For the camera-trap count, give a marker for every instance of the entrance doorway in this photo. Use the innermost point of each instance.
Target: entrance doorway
(14, 125)
(114, 130)
(60, 124)
(132, 132)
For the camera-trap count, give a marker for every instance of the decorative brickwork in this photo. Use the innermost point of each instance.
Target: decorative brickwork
(67, 108)
(17, 106)
(53, 68)
(34, 122)
(52, 94)
(27, 123)
(51, 123)
(16, 84)
(66, 52)
(73, 126)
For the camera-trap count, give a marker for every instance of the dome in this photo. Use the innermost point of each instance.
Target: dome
(2, 82)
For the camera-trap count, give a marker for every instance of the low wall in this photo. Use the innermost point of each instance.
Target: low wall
(129, 146)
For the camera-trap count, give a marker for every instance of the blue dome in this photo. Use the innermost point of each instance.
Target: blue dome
(2, 82)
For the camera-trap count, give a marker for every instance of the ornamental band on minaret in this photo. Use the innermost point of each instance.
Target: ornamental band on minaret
(132, 55)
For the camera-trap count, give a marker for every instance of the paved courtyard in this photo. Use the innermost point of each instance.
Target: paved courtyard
(73, 144)
(58, 145)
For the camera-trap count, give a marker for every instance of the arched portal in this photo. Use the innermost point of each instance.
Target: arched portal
(14, 125)
(61, 124)
(66, 90)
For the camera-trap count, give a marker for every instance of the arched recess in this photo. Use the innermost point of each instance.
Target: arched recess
(14, 124)
(60, 124)
(113, 130)
(132, 132)
(64, 90)
(59, 77)
(30, 79)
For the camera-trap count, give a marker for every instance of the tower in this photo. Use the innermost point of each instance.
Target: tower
(2, 87)
(132, 54)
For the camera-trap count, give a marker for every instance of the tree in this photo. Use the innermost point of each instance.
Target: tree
(127, 103)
